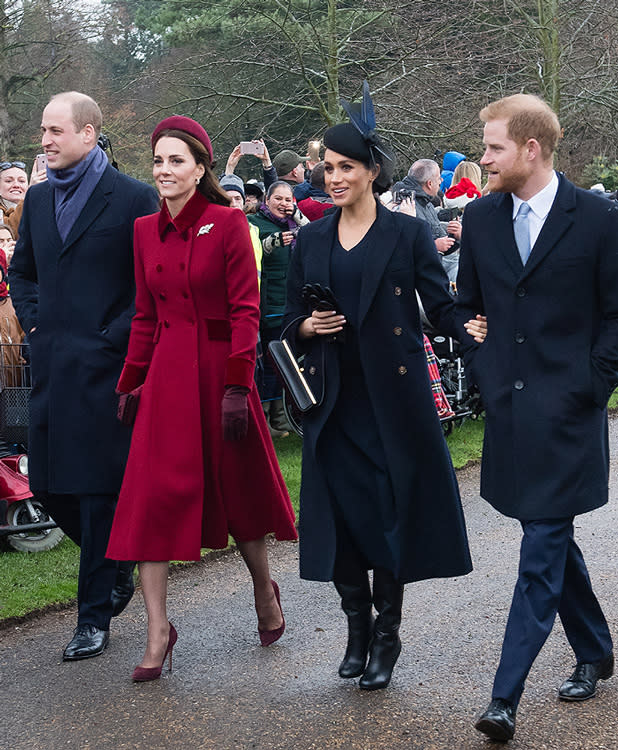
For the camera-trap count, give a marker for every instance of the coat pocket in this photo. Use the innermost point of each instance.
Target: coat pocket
(218, 329)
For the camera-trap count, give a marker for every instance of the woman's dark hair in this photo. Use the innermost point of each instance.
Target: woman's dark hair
(386, 165)
(276, 185)
(209, 185)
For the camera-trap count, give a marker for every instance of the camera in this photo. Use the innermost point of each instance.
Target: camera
(401, 195)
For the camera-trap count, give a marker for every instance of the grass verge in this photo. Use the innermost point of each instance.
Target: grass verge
(31, 582)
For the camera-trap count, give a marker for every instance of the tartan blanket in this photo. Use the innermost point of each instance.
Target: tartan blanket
(442, 405)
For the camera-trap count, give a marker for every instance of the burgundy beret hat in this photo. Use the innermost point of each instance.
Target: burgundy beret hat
(186, 125)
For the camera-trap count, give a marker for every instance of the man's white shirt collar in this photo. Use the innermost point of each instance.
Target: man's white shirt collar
(541, 203)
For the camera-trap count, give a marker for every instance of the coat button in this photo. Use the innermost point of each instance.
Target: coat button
(519, 338)
(159, 267)
(397, 291)
(520, 291)
(185, 295)
(182, 266)
(312, 370)
(518, 385)
(166, 323)
(397, 331)
(402, 370)
(162, 295)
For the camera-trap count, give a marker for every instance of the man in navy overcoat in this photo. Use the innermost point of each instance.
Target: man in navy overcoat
(539, 257)
(72, 285)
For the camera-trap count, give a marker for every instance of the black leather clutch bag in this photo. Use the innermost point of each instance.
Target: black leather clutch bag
(291, 375)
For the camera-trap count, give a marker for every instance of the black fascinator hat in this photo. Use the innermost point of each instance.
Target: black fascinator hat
(358, 140)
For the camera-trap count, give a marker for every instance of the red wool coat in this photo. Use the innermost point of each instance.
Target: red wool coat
(195, 331)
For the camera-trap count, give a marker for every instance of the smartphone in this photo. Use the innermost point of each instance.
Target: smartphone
(41, 162)
(251, 147)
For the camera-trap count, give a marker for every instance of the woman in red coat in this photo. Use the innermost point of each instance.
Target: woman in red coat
(201, 464)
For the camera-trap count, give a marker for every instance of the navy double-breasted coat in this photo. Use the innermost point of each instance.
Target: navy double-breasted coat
(550, 359)
(430, 531)
(79, 294)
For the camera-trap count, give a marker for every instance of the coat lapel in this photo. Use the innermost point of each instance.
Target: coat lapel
(97, 202)
(386, 234)
(47, 211)
(558, 221)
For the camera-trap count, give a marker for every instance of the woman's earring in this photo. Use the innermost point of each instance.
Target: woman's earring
(197, 180)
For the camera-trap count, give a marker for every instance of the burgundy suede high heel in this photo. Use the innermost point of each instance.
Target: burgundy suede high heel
(145, 674)
(268, 637)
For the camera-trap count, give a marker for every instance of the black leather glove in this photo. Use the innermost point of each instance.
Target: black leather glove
(319, 297)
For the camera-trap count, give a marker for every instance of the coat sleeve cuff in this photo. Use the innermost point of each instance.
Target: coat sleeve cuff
(239, 372)
(131, 377)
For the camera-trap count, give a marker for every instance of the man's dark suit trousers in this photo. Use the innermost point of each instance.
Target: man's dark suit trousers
(553, 579)
(87, 520)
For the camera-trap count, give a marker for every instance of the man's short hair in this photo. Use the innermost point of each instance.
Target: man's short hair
(423, 170)
(84, 109)
(317, 177)
(527, 117)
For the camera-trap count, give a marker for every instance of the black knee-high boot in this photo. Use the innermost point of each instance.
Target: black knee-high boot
(385, 645)
(356, 603)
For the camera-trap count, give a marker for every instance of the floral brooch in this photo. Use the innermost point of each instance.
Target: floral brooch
(205, 229)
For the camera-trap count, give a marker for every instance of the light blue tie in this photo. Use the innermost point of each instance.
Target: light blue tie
(521, 228)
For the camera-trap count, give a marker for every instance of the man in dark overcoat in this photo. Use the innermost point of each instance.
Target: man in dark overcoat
(72, 286)
(539, 257)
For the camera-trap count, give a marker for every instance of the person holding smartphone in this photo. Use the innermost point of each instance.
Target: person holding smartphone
(256, 148)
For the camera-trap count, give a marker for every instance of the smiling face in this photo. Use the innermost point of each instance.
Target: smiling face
(175, 170)
(281, 201)
(13, 184)
(506, 163)
(62, 143)
(347, 181)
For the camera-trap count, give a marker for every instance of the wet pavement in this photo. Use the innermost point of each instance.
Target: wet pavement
(228, 693)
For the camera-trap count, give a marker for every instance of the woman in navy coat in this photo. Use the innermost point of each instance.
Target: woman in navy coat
(378, 488)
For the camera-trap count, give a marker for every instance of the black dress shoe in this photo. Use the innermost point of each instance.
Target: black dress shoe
(87, 641)
(582, 684)
(498, 721)
(124, 588)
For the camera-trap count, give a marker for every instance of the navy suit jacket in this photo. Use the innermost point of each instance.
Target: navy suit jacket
(550, 359)
(79, 295)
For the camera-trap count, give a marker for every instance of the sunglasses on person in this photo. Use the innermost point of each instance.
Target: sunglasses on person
(10, 164)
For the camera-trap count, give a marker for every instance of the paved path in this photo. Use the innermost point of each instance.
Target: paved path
(227, 692)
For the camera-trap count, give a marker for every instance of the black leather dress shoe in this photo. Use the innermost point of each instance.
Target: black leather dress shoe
(582, 684)
(124, 588)
(87, 641)
(498, 721)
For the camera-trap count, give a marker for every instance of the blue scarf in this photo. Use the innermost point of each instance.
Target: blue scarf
(68, 199)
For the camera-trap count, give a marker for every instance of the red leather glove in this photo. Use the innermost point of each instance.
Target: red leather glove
(127, 405)
(235, 412)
